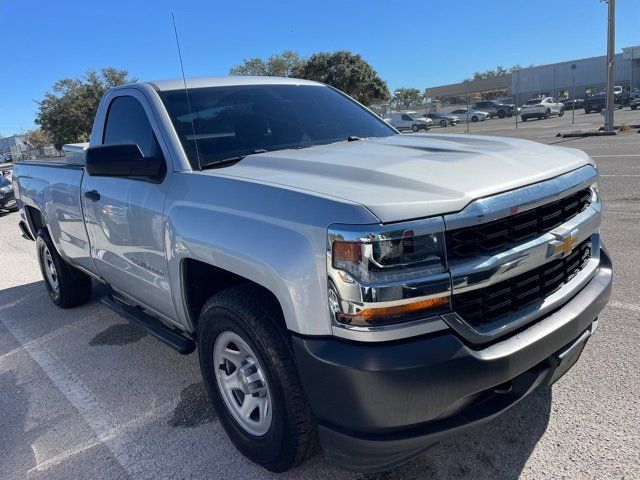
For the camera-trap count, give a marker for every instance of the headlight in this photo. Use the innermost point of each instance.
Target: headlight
(394, 254)
(379, 275)
(595, 193)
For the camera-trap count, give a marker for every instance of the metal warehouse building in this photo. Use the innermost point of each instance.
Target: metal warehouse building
(575, 77)
(561, 80)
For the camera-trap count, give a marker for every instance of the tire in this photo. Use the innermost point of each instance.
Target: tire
(561, 112)
(66, 286)
(524, 119)
(547, 114)
(633, 107)
(443, 123)
(474, 118)
(415, 127)
(501, 114)
(255, 317)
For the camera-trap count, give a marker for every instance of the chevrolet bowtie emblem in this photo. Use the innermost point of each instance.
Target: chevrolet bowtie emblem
(563, 244)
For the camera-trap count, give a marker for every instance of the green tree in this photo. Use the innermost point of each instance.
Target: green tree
(500, 71)
(347, 72)
(281, 65)
(407, 97)
(37, 138)
(66, 113)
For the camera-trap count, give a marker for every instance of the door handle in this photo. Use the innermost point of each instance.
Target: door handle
(92, 195)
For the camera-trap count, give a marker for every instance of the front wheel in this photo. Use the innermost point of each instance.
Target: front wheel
(443, 123)
(251, 378)
(524, 119)
(561, 112)
(66, 286)
(547, 114)
(474, 119)
(501, 114)
(415, 127)
(633, 107)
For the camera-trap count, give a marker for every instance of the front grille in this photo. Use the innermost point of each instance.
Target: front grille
(486, 305)
(489, 237)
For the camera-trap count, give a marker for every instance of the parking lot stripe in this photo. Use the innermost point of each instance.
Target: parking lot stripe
(124, 449)
(57, 459)
(618, 155)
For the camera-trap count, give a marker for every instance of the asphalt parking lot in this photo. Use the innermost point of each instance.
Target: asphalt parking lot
(85, 394)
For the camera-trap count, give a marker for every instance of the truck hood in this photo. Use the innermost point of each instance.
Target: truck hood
(411, 176)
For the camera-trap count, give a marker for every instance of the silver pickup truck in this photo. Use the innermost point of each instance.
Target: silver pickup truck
(346, 286)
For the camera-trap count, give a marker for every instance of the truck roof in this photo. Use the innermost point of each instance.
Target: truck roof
(202, 82)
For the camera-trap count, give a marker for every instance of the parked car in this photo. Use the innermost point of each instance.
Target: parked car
(495, 109)
(443, 119)
(7, 196)
(635, 103)
(598, 102)
(343, 284)
(573, 103)
(409, 121)
(541, 108)
(470, 115)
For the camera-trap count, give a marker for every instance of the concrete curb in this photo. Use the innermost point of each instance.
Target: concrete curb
(586, 134)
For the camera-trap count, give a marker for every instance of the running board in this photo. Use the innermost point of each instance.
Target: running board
(155, 327)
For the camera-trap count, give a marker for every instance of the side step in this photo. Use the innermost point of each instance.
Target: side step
(155, 327)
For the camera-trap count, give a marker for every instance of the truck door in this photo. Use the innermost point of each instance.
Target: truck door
(125, 216)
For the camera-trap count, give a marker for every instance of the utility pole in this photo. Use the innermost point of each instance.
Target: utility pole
(516, 72)
(573, 94)
(468, 119)
(608, 124)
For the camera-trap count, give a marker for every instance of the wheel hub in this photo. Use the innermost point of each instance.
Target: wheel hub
(50, 269)
(242, 383)
(250, 378)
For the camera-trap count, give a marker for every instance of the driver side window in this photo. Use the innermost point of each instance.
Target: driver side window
(127, 122)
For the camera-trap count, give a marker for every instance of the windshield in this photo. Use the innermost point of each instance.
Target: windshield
(534, 101)
(239, 120)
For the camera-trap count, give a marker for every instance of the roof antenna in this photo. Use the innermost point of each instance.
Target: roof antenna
(186, 91)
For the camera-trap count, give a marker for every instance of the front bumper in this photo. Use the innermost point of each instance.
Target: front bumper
(380, 405)
(8, 200)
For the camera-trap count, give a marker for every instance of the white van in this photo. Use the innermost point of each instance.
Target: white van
(409, 121)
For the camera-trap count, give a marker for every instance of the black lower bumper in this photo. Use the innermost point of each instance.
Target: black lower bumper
(8, 201)
(380, 405)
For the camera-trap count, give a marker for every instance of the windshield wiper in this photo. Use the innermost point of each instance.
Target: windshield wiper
(237, 158)
(353, 138)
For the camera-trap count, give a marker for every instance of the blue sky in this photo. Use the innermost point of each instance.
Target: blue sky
(410, 43)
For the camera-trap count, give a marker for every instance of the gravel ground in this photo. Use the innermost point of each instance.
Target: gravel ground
(84, 394)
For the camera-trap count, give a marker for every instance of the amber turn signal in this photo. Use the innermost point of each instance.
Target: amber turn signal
(378, 314)
(347, 252)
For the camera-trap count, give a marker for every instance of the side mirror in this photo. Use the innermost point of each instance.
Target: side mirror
(123, 160)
